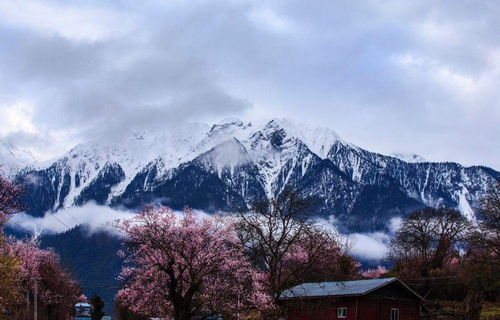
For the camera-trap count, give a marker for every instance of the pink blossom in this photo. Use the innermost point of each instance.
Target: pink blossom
(9, 199)
(41, 268)
(374, 273)
(182, 265)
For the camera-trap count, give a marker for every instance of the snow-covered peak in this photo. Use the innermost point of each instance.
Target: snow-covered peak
(177, 143)
(228, 122)
(133, 148)
(409, 157)
(318, 139)
(12, 158)
(231, 127)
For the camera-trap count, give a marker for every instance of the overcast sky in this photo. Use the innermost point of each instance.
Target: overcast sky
(390, 76)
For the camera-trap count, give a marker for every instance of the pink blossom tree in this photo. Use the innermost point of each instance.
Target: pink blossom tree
(10, 284)
(9, 199)
(40, 271)
(181, 265)
(375, 273)
(288, 249)
(24, 266)
(10, 281)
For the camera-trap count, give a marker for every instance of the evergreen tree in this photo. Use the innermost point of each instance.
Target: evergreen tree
(97, 306)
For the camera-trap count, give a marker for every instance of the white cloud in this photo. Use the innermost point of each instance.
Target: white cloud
(395, 224)
(441, 73)
(17, 116)
(80, 22)
(378, 74)
(371, 246)
(93, 216)
(269, 20)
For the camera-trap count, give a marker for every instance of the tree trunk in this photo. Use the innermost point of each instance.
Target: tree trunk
(182, 309)
(182, 314)
(473, 304)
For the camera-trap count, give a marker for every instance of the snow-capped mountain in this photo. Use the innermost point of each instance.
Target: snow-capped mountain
(12, 158)
(233, 163)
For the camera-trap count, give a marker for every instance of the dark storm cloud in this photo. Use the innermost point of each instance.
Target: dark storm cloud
(91, 86)
(392, 76)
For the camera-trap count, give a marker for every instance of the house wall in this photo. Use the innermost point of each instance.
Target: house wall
(367, 309)
(324, 309)
(407, 310)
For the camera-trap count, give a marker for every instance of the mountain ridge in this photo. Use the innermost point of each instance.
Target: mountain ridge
(232, 163)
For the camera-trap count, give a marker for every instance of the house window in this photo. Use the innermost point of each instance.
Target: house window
(394, 314)
(342, 312)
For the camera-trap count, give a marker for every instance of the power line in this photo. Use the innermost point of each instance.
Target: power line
(52, 214)
(5, 174)
(442, 277)
(100, 286)
(33, 232)
(71, 216)
(20, 226)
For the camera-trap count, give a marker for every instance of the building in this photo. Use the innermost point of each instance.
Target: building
(375, 299)
(83, 311)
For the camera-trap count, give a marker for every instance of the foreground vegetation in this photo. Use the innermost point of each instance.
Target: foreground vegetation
(31, 279)
(491, 310)
(184, 265)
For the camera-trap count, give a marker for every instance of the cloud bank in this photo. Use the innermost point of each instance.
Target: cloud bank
(94, 217)
(370, 247)
(399, 76)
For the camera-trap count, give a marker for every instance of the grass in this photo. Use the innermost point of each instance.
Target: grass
(491, 310)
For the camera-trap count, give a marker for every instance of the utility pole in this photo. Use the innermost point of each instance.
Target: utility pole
(27, 301)
(35, 303)
(238, 313)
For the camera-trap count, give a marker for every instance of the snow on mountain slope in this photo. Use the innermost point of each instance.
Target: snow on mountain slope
(278, 151)
(75, 171)
(229, 155)
(409, 157)
(434, 184)
(242, 161)
(12, 159)
(272, 145)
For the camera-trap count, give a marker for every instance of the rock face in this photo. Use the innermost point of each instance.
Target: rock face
(233, 163)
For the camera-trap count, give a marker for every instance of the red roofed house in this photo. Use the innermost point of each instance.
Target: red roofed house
(376, 299)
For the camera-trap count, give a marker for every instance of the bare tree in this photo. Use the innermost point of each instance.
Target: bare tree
(287, 247)
(482, 267)
(484, 240)
(426, 239)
